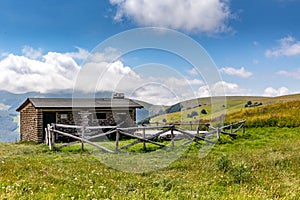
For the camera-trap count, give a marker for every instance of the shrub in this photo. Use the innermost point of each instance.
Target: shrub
(193, 114)
(241, 173)
(224, 164)
(203, 111)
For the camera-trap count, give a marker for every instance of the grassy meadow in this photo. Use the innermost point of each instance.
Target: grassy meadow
(263, 163)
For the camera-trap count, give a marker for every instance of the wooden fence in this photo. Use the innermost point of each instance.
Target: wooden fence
(173, 132)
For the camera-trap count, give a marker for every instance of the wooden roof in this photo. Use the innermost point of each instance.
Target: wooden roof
(80, 103)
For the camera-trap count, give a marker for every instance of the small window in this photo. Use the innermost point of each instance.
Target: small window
(64, 116)
(101, 115)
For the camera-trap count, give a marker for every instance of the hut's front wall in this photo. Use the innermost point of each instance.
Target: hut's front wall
(31, 120)
(109, 117)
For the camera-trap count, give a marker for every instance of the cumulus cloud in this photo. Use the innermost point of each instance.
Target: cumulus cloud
(201, 16)
(293, 74)
(270, 91)
(118, 77)
(32, 53)
(222, 88)
(52, 72)
(81, 54)
(166, 91)
(4, 54)
(180, 82)
(193, 72)
(236, 72)
(156, 93)
(289, 46)
(98, 74)
(143, 86)
(4, 107)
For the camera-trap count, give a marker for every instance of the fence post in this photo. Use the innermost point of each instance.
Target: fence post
(172, 135)
(82, 137)
(50, 137)
(243, 128)
(85, 122)
(191, 126)
(218, 133)
(53, 135)
(117, 139)
(46, 136)
(231, 128)
(144, 136)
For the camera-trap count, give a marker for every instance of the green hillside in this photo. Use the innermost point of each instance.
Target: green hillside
(264, 111)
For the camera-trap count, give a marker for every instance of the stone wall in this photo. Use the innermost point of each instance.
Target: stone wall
(112, 117)
(29, 119)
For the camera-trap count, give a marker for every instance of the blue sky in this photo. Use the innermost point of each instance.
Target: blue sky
(254, 44)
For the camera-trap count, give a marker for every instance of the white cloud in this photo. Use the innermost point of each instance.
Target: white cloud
(81, 54)
(270, 91)
(97, 75)
(32, 53)
(293, 74)
(222, 88)
(236, 72)
(201, 16)
(158, 94)
(195, 82)
(53, 72)
(108, 55)
(289, 46)
(4, 107)
(157, 90)
(193, 72)
(4, 54)
(180, 82)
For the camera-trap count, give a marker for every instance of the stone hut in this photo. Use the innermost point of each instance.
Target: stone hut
(36, 113)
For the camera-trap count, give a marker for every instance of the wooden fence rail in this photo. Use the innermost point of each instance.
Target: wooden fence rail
(85, 134)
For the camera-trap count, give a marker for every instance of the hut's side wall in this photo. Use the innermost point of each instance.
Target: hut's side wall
(29, 127)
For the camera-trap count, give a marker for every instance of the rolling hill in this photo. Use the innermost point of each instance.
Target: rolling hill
(258, 111)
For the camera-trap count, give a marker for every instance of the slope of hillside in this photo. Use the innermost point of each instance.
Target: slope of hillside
(282, 114)
(263, 111)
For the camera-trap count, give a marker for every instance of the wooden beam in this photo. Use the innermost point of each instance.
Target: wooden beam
(84, 140)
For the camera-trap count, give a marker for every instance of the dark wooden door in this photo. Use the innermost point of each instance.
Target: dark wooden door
(48, 118)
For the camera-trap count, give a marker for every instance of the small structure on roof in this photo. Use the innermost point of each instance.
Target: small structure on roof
(36, 113)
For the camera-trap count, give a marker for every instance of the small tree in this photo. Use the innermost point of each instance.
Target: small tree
(203, 111)
(248, 104)
(194, 113)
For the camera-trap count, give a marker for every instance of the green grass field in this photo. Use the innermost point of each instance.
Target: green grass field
(263, 163)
